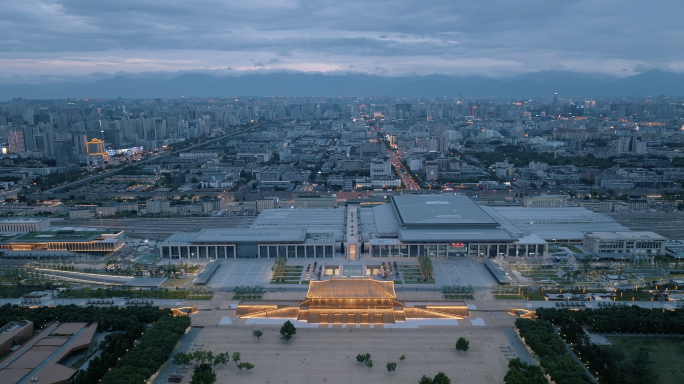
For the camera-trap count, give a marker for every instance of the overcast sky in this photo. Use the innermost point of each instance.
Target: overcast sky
(43, 39)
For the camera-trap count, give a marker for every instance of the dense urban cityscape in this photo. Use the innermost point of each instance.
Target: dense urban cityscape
(341, 192)
(112, 202)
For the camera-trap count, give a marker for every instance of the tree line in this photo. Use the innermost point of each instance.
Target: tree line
(611, 365)
(521, 157)
(114, 346)
(152, 350)
(520, 372)
(425, 265)
(554, 358)
(616, 319)
(118, 319)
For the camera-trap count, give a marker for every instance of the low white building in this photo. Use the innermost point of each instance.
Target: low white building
(639, 242)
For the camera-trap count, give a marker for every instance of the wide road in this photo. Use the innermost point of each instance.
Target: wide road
(406, 178)
(161, 228)
(141, 162)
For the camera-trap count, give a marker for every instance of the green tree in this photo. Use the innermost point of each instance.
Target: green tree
(236, 358)
(287, 331)
(401, 359)
(391, 367)
(462, 345)
(441, 378)
(520, 372)
(257, 333)
(181, 358)
(219, 359)
(360, 358)
(425, 265)
(425, 380)
(199, 357)
(203, 374)
(247, 366)
(278, 268)
(369, 364)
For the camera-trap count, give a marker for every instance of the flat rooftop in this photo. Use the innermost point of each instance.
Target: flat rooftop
(631, 235)
(238, 235)
(448, 235)
(251, 235)
(43, 236)
(444, 210)
(22, 220)
(552, 223)
(300, 217)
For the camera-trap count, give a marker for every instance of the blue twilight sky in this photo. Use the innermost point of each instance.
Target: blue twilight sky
(45, 40)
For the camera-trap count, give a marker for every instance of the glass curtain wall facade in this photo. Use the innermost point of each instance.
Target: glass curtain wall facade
(457, 249)
(247, 251)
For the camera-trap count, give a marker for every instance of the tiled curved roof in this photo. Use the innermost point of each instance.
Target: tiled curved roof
(351, 289)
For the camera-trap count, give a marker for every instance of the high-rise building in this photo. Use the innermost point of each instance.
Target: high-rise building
(380, 167)
(622, 145)
(80, 139)
(431, 171)
(15, 140)
(63, 152)
(95, 147)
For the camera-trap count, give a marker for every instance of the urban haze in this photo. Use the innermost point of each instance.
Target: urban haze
(282, 191)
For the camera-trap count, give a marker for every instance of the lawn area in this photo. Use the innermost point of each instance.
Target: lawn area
(173, 283)
(634, 296)
(412, 275)
(534, 296)
(664, 356)
(291, 275)
(508, 296)
(458, 297)
(574, 249)
(248, 296)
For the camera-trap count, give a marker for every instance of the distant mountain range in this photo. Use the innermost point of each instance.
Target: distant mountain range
(567, 84)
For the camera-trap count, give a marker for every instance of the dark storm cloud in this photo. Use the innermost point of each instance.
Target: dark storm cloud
(604, 35)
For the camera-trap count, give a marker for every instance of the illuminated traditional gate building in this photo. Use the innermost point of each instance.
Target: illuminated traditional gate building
(352, 301)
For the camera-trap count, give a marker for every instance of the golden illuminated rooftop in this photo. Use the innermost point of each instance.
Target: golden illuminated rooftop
(352, 301)
(351, 289)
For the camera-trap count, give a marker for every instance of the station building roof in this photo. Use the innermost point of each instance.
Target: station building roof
(443, 210)
(251, 235)
(630, 235)
(552, 223)
(351, 289)
(322, 220)
(474, 235)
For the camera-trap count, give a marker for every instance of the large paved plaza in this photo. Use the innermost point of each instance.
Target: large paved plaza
(320, 354)
(251, 272)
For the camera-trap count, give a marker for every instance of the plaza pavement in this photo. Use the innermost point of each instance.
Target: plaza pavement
(252, 272)
(323, 354)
